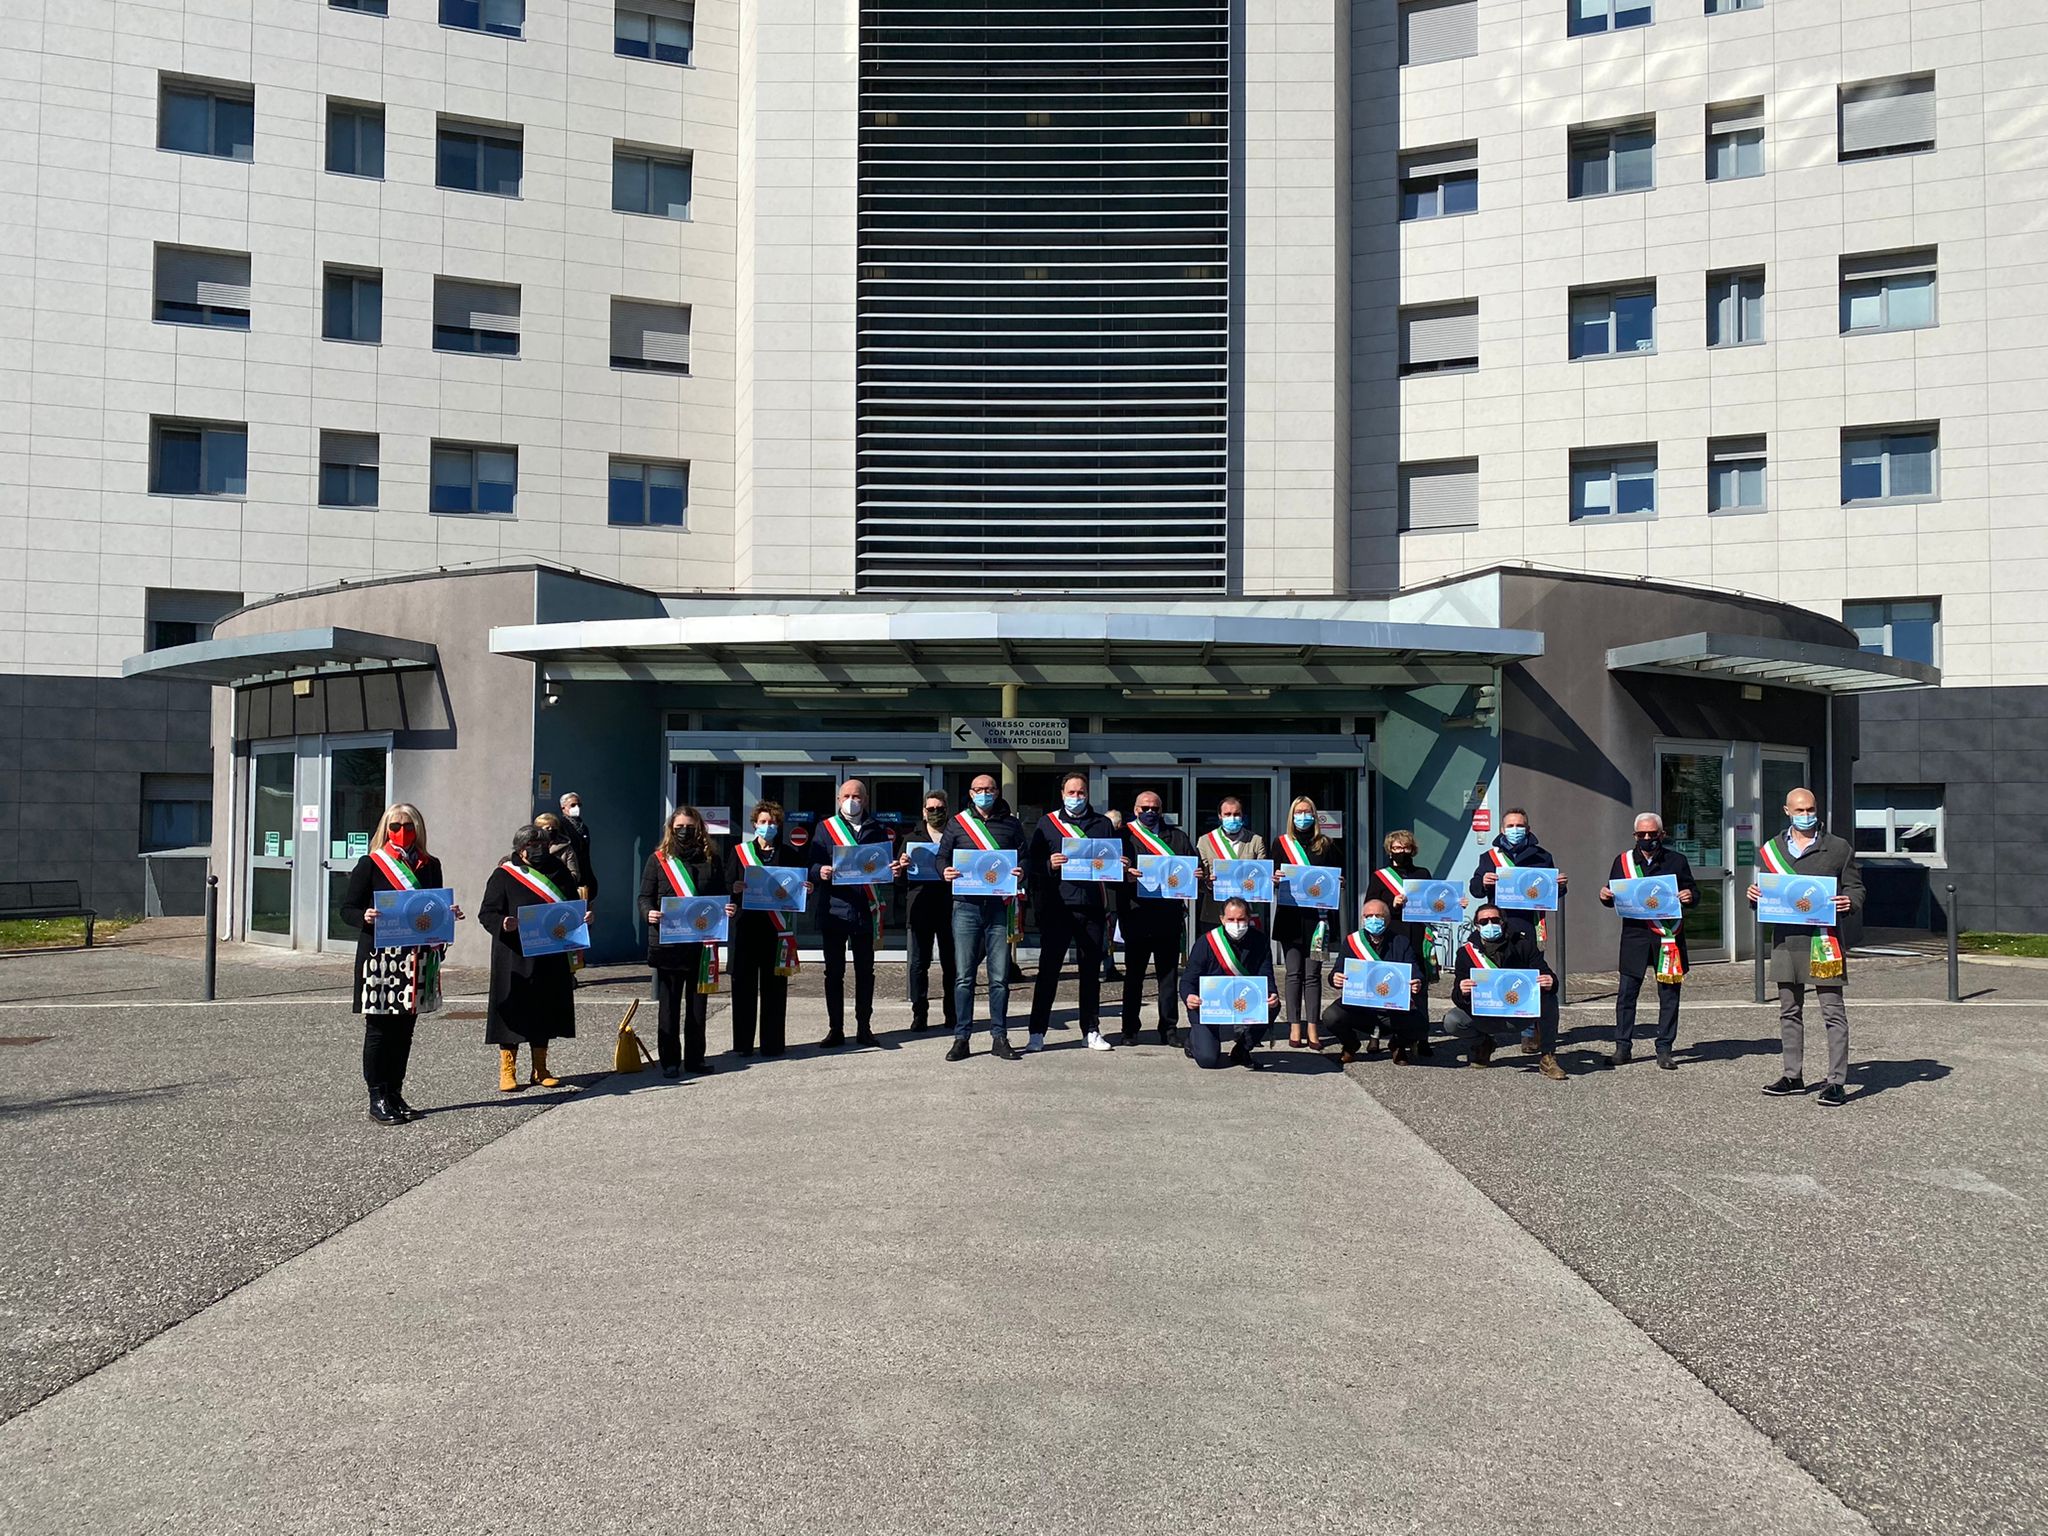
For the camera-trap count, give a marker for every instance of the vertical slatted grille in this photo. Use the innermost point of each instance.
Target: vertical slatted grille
(1044, 296)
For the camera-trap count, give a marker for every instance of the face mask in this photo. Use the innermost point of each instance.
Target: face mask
(402, 838)
(1402, 857)
(764, 832)
(935, 815)
(1233, 825)
(1375, 926)
(1304, 821)
(984, 799)
(1149, 816)
(573, 812)
(850, 806)
(1075, 804)
(1516, 836)
(1489, 931)
(1237, 930)
(1805, 821)
(1649, 842)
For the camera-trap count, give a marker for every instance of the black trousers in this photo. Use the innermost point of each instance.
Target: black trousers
(387, 1048)
(1353, 1026)
(1630, 988)
(757, 989)
(926, 933)
(1081, 932)
(1158, 949)
(840, 935)
(679, 1034)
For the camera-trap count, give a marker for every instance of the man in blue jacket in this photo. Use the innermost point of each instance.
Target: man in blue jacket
(1515, 847)
(1232, 948)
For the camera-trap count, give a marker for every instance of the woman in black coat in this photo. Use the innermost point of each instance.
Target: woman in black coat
(684, 974)
(533, 999)
(389, 983)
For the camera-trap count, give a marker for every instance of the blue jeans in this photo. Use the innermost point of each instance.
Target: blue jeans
(981, 931)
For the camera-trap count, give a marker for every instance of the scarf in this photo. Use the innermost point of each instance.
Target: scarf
(1670, 963)
(1824, 955)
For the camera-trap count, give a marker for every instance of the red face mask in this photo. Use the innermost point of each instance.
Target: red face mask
(403, 838)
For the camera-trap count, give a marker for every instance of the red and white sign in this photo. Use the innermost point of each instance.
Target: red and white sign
(1482, 819)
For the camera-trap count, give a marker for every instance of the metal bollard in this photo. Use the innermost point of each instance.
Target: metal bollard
(212, 929)
(1955, 977)
(1564, 957)
(1756, 924)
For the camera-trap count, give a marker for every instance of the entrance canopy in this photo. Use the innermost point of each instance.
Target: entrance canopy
(1053, 645)
(238, 660)
(1780, 663)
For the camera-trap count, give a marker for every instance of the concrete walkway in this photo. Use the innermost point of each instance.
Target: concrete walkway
(880, 1293)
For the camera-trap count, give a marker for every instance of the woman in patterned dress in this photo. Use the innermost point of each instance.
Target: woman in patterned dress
(390, 984)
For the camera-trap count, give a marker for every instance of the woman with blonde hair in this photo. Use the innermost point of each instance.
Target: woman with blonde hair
(1298, 931)
(391, 983)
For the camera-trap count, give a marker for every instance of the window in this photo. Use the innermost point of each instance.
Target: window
(195, 287)
(646, 182)
(1588, 16)
(195, 117)
(354, 307)
(1436, 183)
(1735, 474)
(476, 317)
(1614, 482)
(177, 811)
(648, 494)
(505, 18)
(1889, 463)
(348, 469)
(654, 29)
(367, 7)
(469, 478)
(198, 458)
(1886, 117)
(1725, 7)
(1608, 322)
(1735, 140)
(655, 337)
(1735, 308)
(478, 157)
(1893, 291)
(182, 615)
(1440, 338)
(1617, 159)
(1908, 628)
(355, 139)
(1899, 819)
(1440, 497)
(1435, 30)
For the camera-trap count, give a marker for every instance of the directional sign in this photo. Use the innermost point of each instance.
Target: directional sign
(992, 734)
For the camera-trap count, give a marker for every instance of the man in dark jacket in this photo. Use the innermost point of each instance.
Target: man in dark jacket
(1493, 947)
(1376, 939)
(1656, 946)
(981, 924)
(1802, 956)
(1072, 914)
(1232, 948)
(1515, 847)
(930, 920)
(1155, 928)
(849, 917)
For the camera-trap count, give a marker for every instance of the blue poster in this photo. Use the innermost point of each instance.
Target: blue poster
(1799, 899)
(409, 918)
(1432, 901)
(924, 861)
(1308, 885)
(774, 888)
(1506, 994)
(1653, 898)
(1167, 876)
(985, 871)
(1525, 890)
(553, 928)
(863, 864)
(1250, 878)
(1092, 858)
(1378, 983)
(692, 920)
(1233, 1002)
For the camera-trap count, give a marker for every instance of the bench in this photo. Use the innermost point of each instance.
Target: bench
(45, 898)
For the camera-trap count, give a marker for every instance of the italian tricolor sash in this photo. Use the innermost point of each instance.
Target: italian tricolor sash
(534, 881)
(1292, 852)
(977, 831)
(1670, 963)
(749, 853)
(1219, 846)
(1824, 959)
(842, 833)
(1502, 862)
(1225, 952)
(1397, 885)
(680, 882)
(1062, 827)
(1478, 958)
(1148, 841)
(396, 870)
(1359, 945)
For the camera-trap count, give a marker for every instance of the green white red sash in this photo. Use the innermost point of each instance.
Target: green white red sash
(977, 831)
(1150, 842)
(680, 882)
(1359, 945)
(1219, 846)
(843, 835)
(534, 881)
(396, 870)
(1397, 885)
(1478, 958)
(1064, 828)
(1292, 852)
(786, 964)
(1824, 958)
(1502, 862)
(1225, 952)
(1670, 962)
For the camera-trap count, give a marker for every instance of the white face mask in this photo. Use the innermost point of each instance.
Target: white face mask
(1237, 930)
(850, 806)
(573, 812)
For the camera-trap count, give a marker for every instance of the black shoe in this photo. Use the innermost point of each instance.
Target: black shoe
(671, 1069)
(405, 1110)
(865, 1037)
(1002, 1050)
(1785, 1087)
(774, 1051)
(1128, 1037)
(1665, 1063)
(1831, 1096)
(1423, 1051)
(384, 1112)
(1169, 1036)
(743, 1050)
(1624, 1054)
(919, 1023)
(832, 1038)
(698, 1066)
(959, 1052)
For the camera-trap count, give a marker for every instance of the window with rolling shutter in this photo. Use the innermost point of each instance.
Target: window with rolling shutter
(195, 287)
(1888, 291)
(1887, 117)
(1735, 140)
(1435, 30)
(1439, 183)
(1440, 338)
(476, 317)
(651, 337)
(348, 469)
(1440, 497)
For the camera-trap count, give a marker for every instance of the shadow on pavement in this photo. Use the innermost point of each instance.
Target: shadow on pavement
(1871, 1078)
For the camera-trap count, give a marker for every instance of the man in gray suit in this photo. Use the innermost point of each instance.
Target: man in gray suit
(1802, 956)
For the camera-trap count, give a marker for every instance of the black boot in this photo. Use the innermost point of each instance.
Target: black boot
(959, 1052)
(383, 1111)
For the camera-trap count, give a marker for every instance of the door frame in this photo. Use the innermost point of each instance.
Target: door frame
(324, 748)
(250, 861)
(1722, 871)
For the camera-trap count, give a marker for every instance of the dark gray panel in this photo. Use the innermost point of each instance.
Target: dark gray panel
(45, 722)
(130, 692)
(127, 756)
(61, 692)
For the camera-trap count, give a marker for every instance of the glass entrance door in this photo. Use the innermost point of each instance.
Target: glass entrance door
(1122, 788)
(358, 775)
(273, 820)
(1695, 787)
(1254, 788)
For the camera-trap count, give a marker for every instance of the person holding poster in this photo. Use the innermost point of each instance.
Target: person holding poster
(1376, 940)
(1390, 882)
(930, 919)
(982, 925)
(851, 919)
(1515, 847)
(1229, 839)
(684, 866)
(391, 984)
(1803, 956)
(1071, 913)
(1233, 948)
(1648, 944)
(1492, 947)
(1300, 931)
(763, 951)
(533, 998)
(1155, 928)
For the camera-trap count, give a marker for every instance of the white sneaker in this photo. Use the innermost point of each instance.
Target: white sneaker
(1097, 1043)
(1035, 1043)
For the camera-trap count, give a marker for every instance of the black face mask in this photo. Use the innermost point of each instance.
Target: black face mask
(1403, 859)
(1650, 844)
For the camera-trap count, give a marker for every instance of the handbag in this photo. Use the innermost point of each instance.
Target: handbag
(630, 1053)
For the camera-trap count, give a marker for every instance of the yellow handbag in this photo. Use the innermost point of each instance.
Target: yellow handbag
(630, 1054)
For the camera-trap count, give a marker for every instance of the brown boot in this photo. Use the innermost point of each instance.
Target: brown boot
(1549, 1068)
(542, 1077)
(1482, 1051)
(508, 1071)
